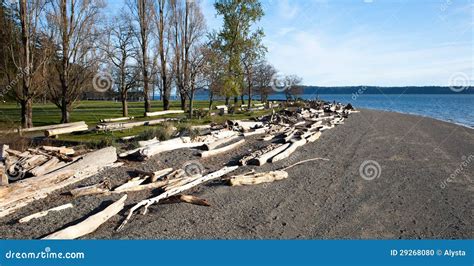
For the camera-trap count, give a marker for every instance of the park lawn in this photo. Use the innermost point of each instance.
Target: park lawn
(92, 111)
(89, 111)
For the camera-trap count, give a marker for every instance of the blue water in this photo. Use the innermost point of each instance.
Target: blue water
(454, 108)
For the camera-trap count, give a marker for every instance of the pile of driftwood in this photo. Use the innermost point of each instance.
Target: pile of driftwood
(25, 191)
(16, 165)
(284, 132)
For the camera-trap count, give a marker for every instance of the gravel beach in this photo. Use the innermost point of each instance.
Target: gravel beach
(389, 176)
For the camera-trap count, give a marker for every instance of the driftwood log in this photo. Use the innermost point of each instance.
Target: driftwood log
(263, 158)
(65, 130)
(286, 153)
(227, 148)
(19, 194)
(44, 213)
(167, 112)
(90, 224)
(257, 178)
(148, 202)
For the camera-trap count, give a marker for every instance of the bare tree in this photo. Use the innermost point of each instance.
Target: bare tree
(142, 12)
(121, 52)
(264, 73)
(74, 32)
(188, 28)
(29, 58)
(293, 83)
(163, 33)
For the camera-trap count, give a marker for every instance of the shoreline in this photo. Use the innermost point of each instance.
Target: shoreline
(319, 200)
(419, 115)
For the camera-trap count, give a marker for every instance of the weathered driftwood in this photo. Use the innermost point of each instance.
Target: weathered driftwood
(19, 194)
(3, 175)
(314, 137)
(116, 119)
(44, 213)
(144, 143)
(120, 126)
(222, 149)
(286, 153)
(136, 181)
(257, 131)
(45, 167)
(246, 125)
(167, 112)
(62, 149)
(32, 162)
(168, 145)
(212, 145)
(98, 188)
(263, 158)
(187, 199)
(154, 175)
(129, 137)
(65, 130)
(3, 152)
(146, 203)
(31, 129)
(257, 178)
(90, 224)
(257, 153)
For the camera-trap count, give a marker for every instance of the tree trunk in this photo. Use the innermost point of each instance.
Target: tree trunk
(236, 100)
(183, 101)
(227, 100)
(211, 101)
(242, 99)
(124, 105)
(191, 99)
(26, 113)
(64, 114)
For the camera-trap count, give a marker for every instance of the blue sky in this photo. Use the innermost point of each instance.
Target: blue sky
(367, 42)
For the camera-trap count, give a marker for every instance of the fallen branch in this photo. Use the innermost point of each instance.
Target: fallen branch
(175, 191)
(187, 199)
(222, 149)
(263, 159)
(286, 153)
(257, 178)
(44, 213)
(90, 224)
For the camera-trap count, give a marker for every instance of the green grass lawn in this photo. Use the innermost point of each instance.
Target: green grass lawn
(92, 111)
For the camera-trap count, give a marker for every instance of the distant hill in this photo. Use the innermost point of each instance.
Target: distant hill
(372, 90)
(384, 90)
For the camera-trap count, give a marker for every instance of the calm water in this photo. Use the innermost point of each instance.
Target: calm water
(452, 108)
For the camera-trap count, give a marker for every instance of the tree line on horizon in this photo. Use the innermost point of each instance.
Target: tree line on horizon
(55, 50)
